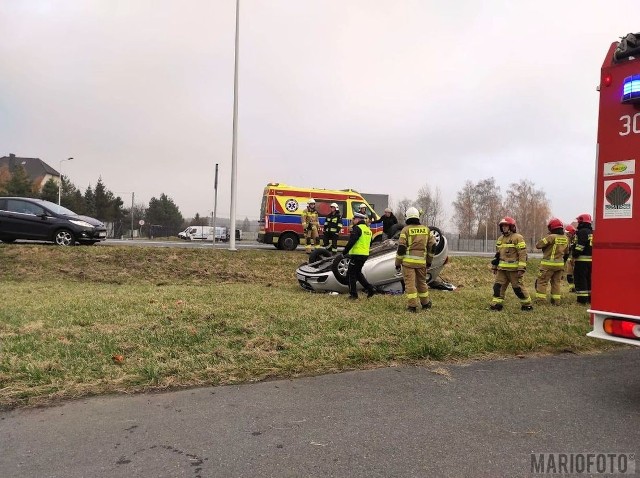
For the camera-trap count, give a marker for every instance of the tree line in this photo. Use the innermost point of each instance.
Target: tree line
(480, 205)
(162, 216)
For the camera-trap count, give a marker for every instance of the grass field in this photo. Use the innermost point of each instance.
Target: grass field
(92, 320)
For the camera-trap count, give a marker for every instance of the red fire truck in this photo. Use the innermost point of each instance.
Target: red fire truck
(615, 288)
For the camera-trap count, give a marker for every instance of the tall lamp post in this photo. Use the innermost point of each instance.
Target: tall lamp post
(60, 185)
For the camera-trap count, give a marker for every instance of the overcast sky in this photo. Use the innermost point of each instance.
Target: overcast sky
(381, 96)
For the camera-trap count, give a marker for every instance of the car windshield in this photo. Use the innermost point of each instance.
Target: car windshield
(59, 209)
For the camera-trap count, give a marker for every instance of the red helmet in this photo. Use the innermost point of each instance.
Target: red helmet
(570, 229)
(555, 223)
(584, 218)
(511, 222)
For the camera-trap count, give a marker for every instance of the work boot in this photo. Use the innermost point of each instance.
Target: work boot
(353, 297)
(412, 309)
(496, 306)
(526, 307)
(426, 306)
(555, 302)
(371, 293)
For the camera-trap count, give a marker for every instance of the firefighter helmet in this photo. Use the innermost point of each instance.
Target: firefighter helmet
(570, 229)
(584, 218)
(333, 204)
(363, 206)
(412, 213)
(311, 201)
(554, 223)
(509, 221)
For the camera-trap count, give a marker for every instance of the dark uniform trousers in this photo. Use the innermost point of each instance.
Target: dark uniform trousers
(354, 273)
(582, 280)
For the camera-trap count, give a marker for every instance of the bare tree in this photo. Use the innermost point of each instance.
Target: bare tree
(465, 210)
(402, 208)
(529, 207)
(488, 207)
(430, 205)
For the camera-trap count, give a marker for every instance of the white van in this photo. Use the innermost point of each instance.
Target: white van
(197, 233)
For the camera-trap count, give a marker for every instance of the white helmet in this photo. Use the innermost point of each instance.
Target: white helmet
(334, 205)
(412, 213)
(311, 201)
(363, 206)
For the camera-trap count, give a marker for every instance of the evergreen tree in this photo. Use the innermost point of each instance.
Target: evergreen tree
(164, 213)
(19, 184)
(50, 191)
(246, 225)
(90, 202)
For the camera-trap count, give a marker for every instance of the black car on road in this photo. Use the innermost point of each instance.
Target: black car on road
(39, 220)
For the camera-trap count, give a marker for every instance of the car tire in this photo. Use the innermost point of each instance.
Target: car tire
(64, 237)
(8, 241)
(288, 241)
(319, 254)
(437, 233)
(394, 232)
(339, 268)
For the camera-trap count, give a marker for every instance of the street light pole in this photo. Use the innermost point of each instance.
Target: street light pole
(234, 145)
(60, 184)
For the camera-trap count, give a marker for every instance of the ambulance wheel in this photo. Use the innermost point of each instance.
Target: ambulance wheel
(339, 268)
(288, 241)
(318, 254)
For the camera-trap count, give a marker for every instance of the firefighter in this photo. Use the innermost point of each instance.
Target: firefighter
(509, 265)
(357, 250)
(332, 228)
(310, 225)
(555, 251)
(570, 231)
(414, 257)
(582, 257)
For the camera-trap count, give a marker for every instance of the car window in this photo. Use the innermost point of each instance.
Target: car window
(24, 207)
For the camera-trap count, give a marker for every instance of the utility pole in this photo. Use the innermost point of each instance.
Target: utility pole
(215, 204)
(234, 147)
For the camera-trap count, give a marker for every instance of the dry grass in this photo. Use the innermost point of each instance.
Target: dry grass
(92, 320)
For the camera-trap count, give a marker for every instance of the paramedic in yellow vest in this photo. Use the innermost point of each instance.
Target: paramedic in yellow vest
(555, 251)
(332, 228)
(357, 250)
(509, 265)
(310, 225)
(414, 256)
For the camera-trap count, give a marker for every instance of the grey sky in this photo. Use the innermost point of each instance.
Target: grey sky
(380, 96)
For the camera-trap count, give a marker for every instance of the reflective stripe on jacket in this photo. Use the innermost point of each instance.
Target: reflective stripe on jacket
(512, 252)
(554, 247)
(415, 246)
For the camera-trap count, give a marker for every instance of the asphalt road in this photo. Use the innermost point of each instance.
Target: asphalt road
(479, 419)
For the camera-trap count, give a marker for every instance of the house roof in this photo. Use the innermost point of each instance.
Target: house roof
(35, 167)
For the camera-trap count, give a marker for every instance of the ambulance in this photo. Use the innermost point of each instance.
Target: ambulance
(615, 279)
(281, 213)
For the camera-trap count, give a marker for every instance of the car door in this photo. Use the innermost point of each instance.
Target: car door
(26, 220)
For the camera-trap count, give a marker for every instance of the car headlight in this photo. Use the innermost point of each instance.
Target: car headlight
(81, 223)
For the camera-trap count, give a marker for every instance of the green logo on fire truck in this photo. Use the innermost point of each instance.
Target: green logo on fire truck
(619, 168)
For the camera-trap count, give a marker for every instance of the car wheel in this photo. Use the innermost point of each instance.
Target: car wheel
(339, 268)
(394, 232)
(437, 234)
(8, 241)
(288, 241)
(64, 237)
(319, 254)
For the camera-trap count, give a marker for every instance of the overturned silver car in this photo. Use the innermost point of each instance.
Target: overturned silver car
(327, 273)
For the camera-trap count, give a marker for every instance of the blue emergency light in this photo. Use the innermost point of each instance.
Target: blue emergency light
(631, 89)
